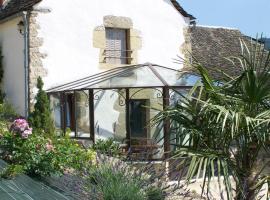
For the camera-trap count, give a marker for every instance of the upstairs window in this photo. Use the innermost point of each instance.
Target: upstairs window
(117, 51)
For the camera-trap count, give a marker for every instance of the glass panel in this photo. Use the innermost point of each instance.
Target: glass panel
(150, 141)
(82, 114)
(138, 77)
(176, 78)
(189, 79)
(176, 95)
(55, 105)
(175, 133)
(133, 76)
(110, 114)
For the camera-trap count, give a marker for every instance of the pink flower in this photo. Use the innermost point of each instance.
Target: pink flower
(21, 127)
(28, 131)
(49, 146)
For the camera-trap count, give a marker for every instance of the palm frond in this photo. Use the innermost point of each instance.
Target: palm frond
(219, 130)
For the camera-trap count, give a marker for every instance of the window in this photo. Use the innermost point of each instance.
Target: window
(117, 51)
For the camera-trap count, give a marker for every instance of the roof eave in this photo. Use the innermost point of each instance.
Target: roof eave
(182, 11)
(19, 9)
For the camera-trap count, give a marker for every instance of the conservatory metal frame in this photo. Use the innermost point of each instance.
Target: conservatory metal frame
(88, 84)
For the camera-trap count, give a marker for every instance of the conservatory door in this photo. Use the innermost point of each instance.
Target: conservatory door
(138, 118)
(70, 112)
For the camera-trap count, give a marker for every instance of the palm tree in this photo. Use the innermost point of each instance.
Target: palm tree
(223, 128)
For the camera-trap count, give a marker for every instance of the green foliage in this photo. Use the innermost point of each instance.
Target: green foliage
(111, 184)
(40, 119)
(108, 147)
(7, 112)
(221, 129)
(154, 193)
(115, 185)
(40, 156)
(12, 171)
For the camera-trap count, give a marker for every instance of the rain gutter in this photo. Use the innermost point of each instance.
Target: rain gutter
(25, 15)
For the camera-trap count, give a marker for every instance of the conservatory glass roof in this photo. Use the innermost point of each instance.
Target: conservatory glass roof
(135, 76)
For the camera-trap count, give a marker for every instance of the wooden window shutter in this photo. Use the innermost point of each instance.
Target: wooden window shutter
(116, 46)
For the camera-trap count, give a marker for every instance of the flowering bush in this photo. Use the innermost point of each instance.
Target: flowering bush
(21, 127)
(39, 155)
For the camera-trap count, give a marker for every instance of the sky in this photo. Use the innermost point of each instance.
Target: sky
(251, 17)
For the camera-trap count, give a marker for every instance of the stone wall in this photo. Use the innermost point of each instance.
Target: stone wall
(36, 68)
(186, 50)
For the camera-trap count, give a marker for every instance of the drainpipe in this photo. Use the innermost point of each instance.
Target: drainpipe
(26, 61)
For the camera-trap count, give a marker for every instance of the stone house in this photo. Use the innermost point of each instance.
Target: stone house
(66, 40)
(90, 55)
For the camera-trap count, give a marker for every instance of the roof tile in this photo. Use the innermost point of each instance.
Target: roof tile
(211, 46)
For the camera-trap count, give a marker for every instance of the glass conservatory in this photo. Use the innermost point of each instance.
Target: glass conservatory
(119, 104)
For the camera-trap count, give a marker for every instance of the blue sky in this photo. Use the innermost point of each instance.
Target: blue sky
(249, 16)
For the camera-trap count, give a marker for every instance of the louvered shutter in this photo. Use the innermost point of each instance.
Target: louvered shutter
(116, 46)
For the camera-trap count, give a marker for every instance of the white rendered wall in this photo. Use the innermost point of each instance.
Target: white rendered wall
(67, 32)
(12, 44)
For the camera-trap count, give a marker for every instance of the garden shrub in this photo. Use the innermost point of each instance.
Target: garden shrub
(11, 171)
(7, 112)
(108, 147)
(110, 182)
(40, 119)
(41, 156)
